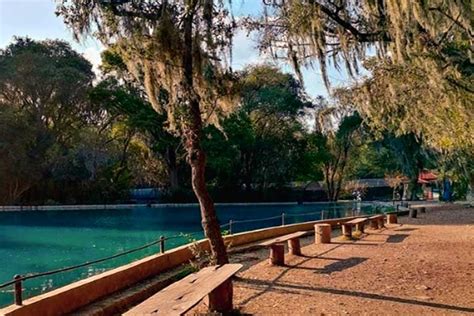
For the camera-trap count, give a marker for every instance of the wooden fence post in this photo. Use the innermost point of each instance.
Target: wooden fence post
(162, 244)
(18, 290)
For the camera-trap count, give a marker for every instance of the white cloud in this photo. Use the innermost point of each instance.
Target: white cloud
(244, 50)
(92, 54)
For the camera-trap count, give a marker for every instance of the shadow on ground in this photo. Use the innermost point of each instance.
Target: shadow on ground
(396, 238)
(405, 229)
(341, 265)
(288, 287)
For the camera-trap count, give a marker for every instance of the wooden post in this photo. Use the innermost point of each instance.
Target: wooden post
(360, 227)
(322, 233)
(374, 223)
(413, 212)
(347, 231)
(230, 227)
(381, 222)
(162, 244)
(220, 299)
(392, 219)
(282, 219)
(294, 246)
(18, 290)
(277, 255)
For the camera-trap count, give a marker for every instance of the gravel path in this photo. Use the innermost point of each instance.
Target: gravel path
(420, 266)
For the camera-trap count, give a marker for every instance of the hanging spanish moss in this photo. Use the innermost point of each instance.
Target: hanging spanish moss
(342, 31)
(423, 74)
(149, 38)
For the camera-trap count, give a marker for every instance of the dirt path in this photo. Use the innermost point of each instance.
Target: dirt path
(420, 266)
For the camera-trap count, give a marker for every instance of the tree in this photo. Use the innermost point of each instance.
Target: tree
(403, 100)
(261, 143)
(43, 90)
(341, 31)
(171, 45)
(125, 104)
(274, 103)
(19, 165)
(49, 81)
(339, 146)
(412, 40)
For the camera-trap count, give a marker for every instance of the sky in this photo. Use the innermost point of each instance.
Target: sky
(37, 20)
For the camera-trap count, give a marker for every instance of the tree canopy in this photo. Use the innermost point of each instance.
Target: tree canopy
(422, 65)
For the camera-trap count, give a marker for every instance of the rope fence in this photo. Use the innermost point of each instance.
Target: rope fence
(18, 280)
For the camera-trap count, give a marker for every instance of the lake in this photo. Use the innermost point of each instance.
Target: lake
(38, 241)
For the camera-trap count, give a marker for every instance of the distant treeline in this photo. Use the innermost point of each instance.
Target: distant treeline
(67, 136)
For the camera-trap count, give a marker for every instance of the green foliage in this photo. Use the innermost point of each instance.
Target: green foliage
(18, 155)
(149, 39)
(260, 145)
(62, 140)
(127, 104)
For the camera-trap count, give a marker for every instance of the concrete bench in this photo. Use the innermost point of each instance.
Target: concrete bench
(357, 222)
(181, 296)
(392, 218)
(277, 250)
(422, 209)
(377, 221)
(414, 210)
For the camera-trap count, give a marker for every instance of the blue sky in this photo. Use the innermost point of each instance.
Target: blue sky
(36, 19)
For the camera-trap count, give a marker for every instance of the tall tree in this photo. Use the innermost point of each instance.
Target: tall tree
(49, 81)
(125, 96)
(20, 165)
(272, 110)
(43, 89)
(171, 45)
(339, 145)
(126, 104)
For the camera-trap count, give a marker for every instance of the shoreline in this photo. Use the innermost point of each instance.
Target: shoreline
(29, 208)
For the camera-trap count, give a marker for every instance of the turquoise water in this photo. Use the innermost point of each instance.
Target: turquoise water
(38, 241)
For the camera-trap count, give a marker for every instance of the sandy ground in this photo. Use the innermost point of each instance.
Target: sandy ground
(419, 266)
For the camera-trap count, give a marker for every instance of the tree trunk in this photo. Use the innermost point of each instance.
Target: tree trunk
(172, 166)
(192, 129)
(341, 173)
(329, 183)
(413, 185)
(210, 223)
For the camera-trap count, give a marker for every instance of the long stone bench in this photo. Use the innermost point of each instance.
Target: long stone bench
(180, 297)
(277, 250)
(357, 222)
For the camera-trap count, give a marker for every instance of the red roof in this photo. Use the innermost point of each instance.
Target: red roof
(427, 176)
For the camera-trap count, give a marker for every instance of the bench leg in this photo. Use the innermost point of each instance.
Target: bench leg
(360, 228)
(347, 231)
(220, 300)
(294, 246)
(277, 255)
(322, 233)
(374, 223)
(381, 223)
(392, 219)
